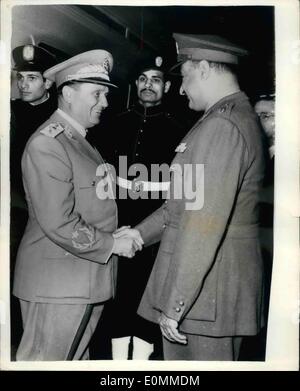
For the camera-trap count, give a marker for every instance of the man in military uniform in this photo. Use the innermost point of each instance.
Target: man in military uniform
(28, 113)
(66, 263)
(206, 286)
(35, 105)
(147, 134)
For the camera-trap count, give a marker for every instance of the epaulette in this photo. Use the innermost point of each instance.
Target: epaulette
(226, 108)
(53, 130)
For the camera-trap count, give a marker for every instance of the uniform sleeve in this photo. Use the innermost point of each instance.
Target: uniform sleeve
(48, 178)
(151, 229)
(222, 150)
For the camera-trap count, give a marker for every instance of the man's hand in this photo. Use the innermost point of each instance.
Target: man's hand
(125, 247)
(126, 232)
(169, 330)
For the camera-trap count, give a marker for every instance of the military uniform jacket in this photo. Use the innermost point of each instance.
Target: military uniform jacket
(146, 136)
(208, 274)
(65, 255)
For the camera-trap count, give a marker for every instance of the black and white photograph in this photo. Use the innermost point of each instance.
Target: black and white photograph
(150, 185)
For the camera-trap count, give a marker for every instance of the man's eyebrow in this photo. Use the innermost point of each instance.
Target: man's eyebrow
(152, 76)
(27, 74)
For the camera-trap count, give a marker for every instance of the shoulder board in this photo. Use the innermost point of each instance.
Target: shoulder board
(53, 130)
(225, 108)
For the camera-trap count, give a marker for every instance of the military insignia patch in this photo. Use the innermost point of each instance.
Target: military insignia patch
(68, 132)
(225, 108)
(53, 130)
(83, 238)
(181, 147)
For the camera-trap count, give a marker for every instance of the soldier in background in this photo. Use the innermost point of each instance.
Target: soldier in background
(147, 133)
(28, 112)
(36, 103)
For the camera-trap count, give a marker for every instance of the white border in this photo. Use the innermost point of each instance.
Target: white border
(283, 330)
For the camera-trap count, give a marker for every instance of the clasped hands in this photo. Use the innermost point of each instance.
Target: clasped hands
(127, 241)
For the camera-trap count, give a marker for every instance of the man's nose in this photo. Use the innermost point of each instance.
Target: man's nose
(23, 84)
(103, 101)
(181, 90)
(148, 82)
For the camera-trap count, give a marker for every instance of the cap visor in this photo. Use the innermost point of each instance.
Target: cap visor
(95, 80)
(175, 70)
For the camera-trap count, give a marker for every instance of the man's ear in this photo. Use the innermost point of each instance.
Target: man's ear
(204, 68)
(167, 86)
(67, 93)
(48, 84)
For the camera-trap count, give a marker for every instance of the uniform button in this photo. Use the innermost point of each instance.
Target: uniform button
(164, 226)
(136, 154)
(177, 309)
(181, 303)
(141, 130)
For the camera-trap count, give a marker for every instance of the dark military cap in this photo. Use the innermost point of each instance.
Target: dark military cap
(32, 58)
(206, 47)
(144, 64)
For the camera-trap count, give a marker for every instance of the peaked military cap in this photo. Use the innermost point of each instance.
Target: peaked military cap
(32, 58)
(93, 66)
(146, 63)
(206, 47)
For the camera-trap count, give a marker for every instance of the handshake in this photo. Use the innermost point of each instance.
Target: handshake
(127, 241)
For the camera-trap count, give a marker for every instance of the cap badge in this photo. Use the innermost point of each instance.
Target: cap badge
(158, 61)
(106, 65)
(28, 53)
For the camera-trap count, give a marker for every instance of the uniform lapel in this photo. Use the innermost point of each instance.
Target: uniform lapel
(82, 145)
(86, 148)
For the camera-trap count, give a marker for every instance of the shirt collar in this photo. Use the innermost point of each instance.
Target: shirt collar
(76, 125)
(44, 100)
(148, 111)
